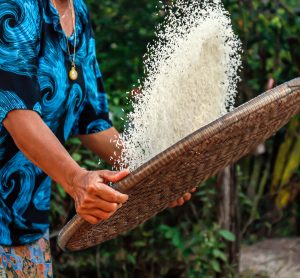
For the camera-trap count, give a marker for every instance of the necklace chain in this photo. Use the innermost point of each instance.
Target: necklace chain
(73, 73)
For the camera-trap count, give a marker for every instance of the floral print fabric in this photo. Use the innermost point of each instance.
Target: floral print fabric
(26, 261)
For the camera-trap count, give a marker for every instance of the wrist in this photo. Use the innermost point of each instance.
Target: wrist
(70, 175)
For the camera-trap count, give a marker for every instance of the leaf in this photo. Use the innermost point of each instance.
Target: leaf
(276, 22)
(77, 156)
(176, 239)
(91, 163)
(139, 243)
(227, 235)
(219, 254)
(283, 198)
(289, 161)
(216, 266)
(131, 258)
(281, 162)
(74, 140)
(62, 193)
(293, 163)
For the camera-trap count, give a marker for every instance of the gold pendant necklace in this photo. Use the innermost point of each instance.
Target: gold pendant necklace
(73, 74)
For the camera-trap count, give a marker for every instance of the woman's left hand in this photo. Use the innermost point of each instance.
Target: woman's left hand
(186, 197)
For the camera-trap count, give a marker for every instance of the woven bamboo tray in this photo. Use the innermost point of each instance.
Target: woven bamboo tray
(187, 163)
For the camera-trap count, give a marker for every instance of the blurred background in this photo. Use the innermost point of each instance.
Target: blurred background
(194, 240)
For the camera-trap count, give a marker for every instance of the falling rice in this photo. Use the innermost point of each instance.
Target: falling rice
(191, 75)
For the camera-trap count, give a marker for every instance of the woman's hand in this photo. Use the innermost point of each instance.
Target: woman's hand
(184, 198)
(94, 199)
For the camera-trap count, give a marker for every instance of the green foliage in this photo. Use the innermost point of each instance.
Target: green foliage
(186, 241)
(268, 30)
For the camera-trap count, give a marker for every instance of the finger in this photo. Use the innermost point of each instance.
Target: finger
(107, 193)
(173, 204)
(91, 219)
(99, 203)
(180, 201)
(109, 207)
(97, 213)
(187, 196)
(113, 176)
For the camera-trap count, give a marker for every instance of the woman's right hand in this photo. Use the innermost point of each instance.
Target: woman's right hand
(94, 199)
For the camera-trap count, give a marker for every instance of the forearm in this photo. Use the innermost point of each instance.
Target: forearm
(104, 144)
(39, 144)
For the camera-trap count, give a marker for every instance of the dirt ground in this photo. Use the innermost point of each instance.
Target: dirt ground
(272, 258)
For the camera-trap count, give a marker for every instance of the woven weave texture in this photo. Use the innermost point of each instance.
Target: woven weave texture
(187, 163)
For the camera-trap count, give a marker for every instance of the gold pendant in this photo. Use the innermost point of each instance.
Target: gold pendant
(73, 74)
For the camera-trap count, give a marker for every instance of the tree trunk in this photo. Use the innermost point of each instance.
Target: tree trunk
(228, 216)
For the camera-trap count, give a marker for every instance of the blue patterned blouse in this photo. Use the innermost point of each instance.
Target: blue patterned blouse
(34, 66)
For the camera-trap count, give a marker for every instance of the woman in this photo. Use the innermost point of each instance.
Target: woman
(51, 88)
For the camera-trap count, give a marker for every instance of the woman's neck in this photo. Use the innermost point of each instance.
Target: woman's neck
(61, 4)
(65, 11)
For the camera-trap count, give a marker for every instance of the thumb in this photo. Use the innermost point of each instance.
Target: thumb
(113, 176)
